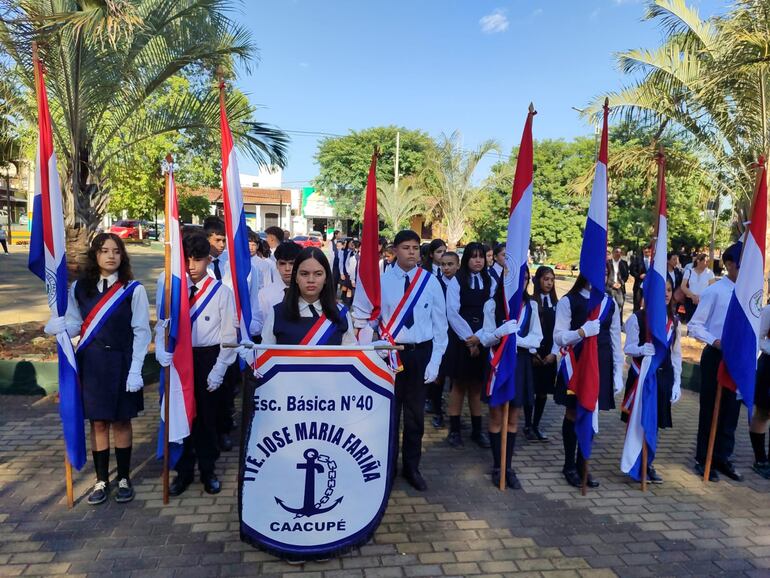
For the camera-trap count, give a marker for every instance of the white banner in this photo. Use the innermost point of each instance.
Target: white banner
(316, 467)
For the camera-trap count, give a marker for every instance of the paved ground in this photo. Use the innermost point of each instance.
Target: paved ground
(462, 526)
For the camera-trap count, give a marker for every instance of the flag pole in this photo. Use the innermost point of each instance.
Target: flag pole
(166, 314)
(67, 465)
(718, 400)
(504, 446)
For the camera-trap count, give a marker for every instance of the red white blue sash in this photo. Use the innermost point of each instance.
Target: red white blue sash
(203, 297)
(634, 369)
(322, 329)
(403, 310)
(568, 354)
(105, 307)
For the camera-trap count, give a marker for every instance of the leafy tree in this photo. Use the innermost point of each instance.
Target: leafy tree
(398, 206)
(193, 206)
(344, 163)
(104, 59)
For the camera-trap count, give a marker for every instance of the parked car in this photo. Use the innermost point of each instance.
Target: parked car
(308, 241)
(126, 228)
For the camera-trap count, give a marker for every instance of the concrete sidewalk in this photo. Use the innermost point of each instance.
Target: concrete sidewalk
(461, 527)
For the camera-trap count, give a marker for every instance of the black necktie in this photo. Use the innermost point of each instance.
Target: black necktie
(193, 291)
(313, 311)
(217, 272)
(409, 318)
(104, 285)
(475, 282)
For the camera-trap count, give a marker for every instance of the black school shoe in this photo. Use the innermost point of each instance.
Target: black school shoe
(225, 442)
(211, 484)
(179, 485)
(438, 421)
(496, 477)
(572, 477)
(98, 494)
(125, 491)
(529, 434)
(511, 480)
(700, 470)
(415, 479)
(541, 437)
(728, 469)
(454, 439)
(482, 440)
(653, 477)
(762, 468)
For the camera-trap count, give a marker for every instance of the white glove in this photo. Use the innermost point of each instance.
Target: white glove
(215, 378)
(55, 326)
(591, 328)
(617, 379)
(431, 373)
(506, 328)
(647, 350)
(676, 393)
(134, 382)
(365, 335)
(246, 352)
(161, 325)
(764, 345)
(164, 357)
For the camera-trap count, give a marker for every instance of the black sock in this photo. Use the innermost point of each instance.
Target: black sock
(758, 445)
(528, 416)
(475, 425)
(539, 408)
(123, 457)
(509, 447)
(570, 443)
(102, 464)
(454, 423)
(495, 439)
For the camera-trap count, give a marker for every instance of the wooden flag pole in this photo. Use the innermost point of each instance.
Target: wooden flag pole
(644, 464)
(504, 446)
(718, 400)
(167, 312)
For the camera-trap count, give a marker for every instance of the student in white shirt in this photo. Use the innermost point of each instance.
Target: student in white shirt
(351, 267)
(498, 257)
(259, 251)
(528, 337)
(388, 258)
(110, 362)
(694, 282)
(432, 262)
(706, 326)
(423, 334)
(274, 237)
(571, 327)
(212, 327)
(273, 294)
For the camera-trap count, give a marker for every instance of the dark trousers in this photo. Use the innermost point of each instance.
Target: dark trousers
(411, 391)
(620, 300)
(227, 398)
(638, 295)
(729, 410)
(201, 444)
(4, 243)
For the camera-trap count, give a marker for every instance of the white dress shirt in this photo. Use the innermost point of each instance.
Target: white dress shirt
(458, 324)
(709, 318)
(350, 267)
(140, 320)
(530, 342)
(215, 325)
(271, 296)
(563, 336)
(254, 281)
(696, 282)
(267, 270)
(615, 270)
(634, 344)
(430, 320)
(268, 337)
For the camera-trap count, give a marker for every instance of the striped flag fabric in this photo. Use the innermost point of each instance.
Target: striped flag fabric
(47, 260)
(585, 380)
(181, 394)
(501, 385)
(643, 420)
(235, 223)
(367, 295)
(740, 334)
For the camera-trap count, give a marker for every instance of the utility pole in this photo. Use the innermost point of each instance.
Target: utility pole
(395, 167)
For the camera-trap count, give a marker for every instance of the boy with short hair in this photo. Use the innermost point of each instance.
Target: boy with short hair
(273, 293)
(274, 238)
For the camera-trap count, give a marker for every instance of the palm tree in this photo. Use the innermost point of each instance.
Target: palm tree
(104, 59)
(449, 175)
(708, 81)
(398, 206)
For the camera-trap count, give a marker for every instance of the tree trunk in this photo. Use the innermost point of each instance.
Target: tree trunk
(76, 245)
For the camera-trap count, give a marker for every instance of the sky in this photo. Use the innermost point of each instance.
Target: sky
(330, 66)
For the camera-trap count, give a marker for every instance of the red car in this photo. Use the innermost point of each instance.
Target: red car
(126, 229)
(308, 241)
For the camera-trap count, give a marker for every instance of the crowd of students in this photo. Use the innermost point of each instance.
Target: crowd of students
(446, 310)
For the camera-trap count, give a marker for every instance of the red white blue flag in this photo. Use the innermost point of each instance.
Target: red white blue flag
(593, 254)
(501, 385)
(643, 418)
(235, 223)
(740, 334)
(181, 393)
(48, 261)
(367, 295)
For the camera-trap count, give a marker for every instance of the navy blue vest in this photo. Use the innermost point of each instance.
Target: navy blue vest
(472, 301)
(290, 332)
(116, 333)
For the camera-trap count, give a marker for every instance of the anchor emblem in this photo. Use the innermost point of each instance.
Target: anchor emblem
(312, 466)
